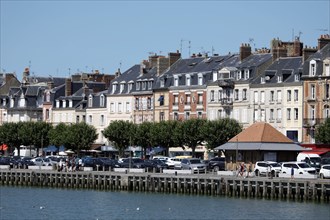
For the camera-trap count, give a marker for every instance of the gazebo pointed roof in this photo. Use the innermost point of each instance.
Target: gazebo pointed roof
(261, 132)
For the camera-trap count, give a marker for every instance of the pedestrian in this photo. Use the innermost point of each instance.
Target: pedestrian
(242, 169)
(292, 172)
(249, 170)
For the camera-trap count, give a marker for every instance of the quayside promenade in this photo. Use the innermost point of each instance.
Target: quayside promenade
(200, 184)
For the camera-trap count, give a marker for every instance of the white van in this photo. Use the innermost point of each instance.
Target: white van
(312, 159)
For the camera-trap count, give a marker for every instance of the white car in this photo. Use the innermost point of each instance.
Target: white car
(173, 162)
(325, 171)
(299, 168)
(265, 167)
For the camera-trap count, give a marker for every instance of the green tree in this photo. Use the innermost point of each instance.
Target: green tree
(58, 135)
(143, 136)
(220, 131)
(40, 136)
(9, 135)
(192, 134)
(120, 133)
(163, 134)
(81, 136)
(322, 134)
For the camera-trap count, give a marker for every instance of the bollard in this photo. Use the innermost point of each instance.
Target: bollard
(175, 173)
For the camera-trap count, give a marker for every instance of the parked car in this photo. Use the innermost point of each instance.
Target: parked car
(173, 162)
(194, 164)
(325, 160)
(325, 171)
(24, 162)
(132, 163)
(299, 168)
(41, 161)
(262, 168)
(217, 163)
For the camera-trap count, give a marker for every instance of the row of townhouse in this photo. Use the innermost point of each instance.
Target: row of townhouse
(286, 86)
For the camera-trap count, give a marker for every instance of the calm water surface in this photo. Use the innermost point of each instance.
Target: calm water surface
(50, 203)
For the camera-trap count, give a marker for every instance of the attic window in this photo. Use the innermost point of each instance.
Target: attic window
(312, 68)
(193, 64)
(279, 79)
(262, 80)
(162, 82)
(296, 77)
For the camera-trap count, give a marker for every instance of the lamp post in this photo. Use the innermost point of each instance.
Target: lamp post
(236, 152)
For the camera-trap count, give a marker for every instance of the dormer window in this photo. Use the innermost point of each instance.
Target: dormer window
(150, 85)
(130, 86)
(239, 75)
(187, 80)
(327, 69)
(296, 77)
(215, 76)
(64, 103)
(70, 103)
(200, 79)
(262, 80)
(90, 101)
(122, 86)
(246, 74)
(144, 85)
(312, 68)
(138, 85)
(48, 96)
(176, 81)
(102, 100)
(114, 87)
(279, 79)
(162, 82)
(57, 103)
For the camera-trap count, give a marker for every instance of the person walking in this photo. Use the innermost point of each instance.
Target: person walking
(249, 169)
(292, 172)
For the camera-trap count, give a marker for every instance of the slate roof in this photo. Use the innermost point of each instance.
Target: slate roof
(318, 56)
(286, 67)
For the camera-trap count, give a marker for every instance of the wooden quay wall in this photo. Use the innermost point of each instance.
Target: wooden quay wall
(199, 184)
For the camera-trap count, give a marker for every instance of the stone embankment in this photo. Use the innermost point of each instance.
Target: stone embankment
(200, 184)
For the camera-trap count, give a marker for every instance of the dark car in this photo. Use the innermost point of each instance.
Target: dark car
(155, 165)
(132, 163)
(24, 162)
(217, 163)
(107, 163)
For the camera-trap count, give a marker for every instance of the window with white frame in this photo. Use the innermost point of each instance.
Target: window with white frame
(200, 79)
(288, 113)
(262, 98)
(114, 87)
(256, 115)
(128, 107)
(122, 86)
(120, 107)
(144, 85)
(176, 100)
(200, 99)
(296, 95)
(90, 119)
(176, 81)
(256, 97)
(262, 80)
(130, 86)
(187, 115)
(279, 79)
(244, 94)
(215, 76)
(271, 114)
(279, 114)
(246, 74)
(112, 107)
(187, 99)
(288, 95)
(187, 80)
(90, 101)
(236, 94)
(327, 69)
(327, 90)
(102, 120)
(279, 96)
(199, 115)
(161, 116)
(312, 68)
(326, 111)
(296, 113)
(162, 82)
(312, 112)
(102, 100)
(262, 115)
(212, 95)
(220, 95)
(239, 75)
(57, 103)
(150, 85)
(312, 91)
(138, 85)
(272, 96)
(296, 77)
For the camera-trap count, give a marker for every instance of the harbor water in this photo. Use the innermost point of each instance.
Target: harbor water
(57, 203)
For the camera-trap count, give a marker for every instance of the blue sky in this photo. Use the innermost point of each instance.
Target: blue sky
(54, 36)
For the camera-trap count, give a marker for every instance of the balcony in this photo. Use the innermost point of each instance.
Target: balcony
(226, 101)
(227, 83)
(311, 122)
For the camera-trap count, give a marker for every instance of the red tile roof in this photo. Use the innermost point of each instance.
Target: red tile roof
(261, 132)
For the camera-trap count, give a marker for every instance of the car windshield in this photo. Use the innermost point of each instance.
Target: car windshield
(304, 165)
(326, 167)
(195, 161)
(275, 164)
(315, 159)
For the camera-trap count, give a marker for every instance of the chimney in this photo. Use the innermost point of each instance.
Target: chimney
(297, 48)
(279, 52)
(144, 65)
(308, 51)
(68, 87)
(244, 51)
(97, 72)
(50, 84)
(162, 64)
(153, 60)
(323, 40)
(118, 73)
(174, 57)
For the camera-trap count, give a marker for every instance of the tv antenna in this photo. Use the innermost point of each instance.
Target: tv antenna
(251, 42)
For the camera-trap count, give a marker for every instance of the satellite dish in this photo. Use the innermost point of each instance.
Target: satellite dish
(267, 78)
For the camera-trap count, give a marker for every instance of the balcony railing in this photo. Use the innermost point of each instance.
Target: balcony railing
(226, 101)
(226, 83)
(311, 122)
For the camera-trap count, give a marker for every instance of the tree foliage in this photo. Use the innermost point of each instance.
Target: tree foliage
(9, 136)
(322, 134)
(220, 131)
(120, 133)
(143, 136)
(59, 135)
(81, 136)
